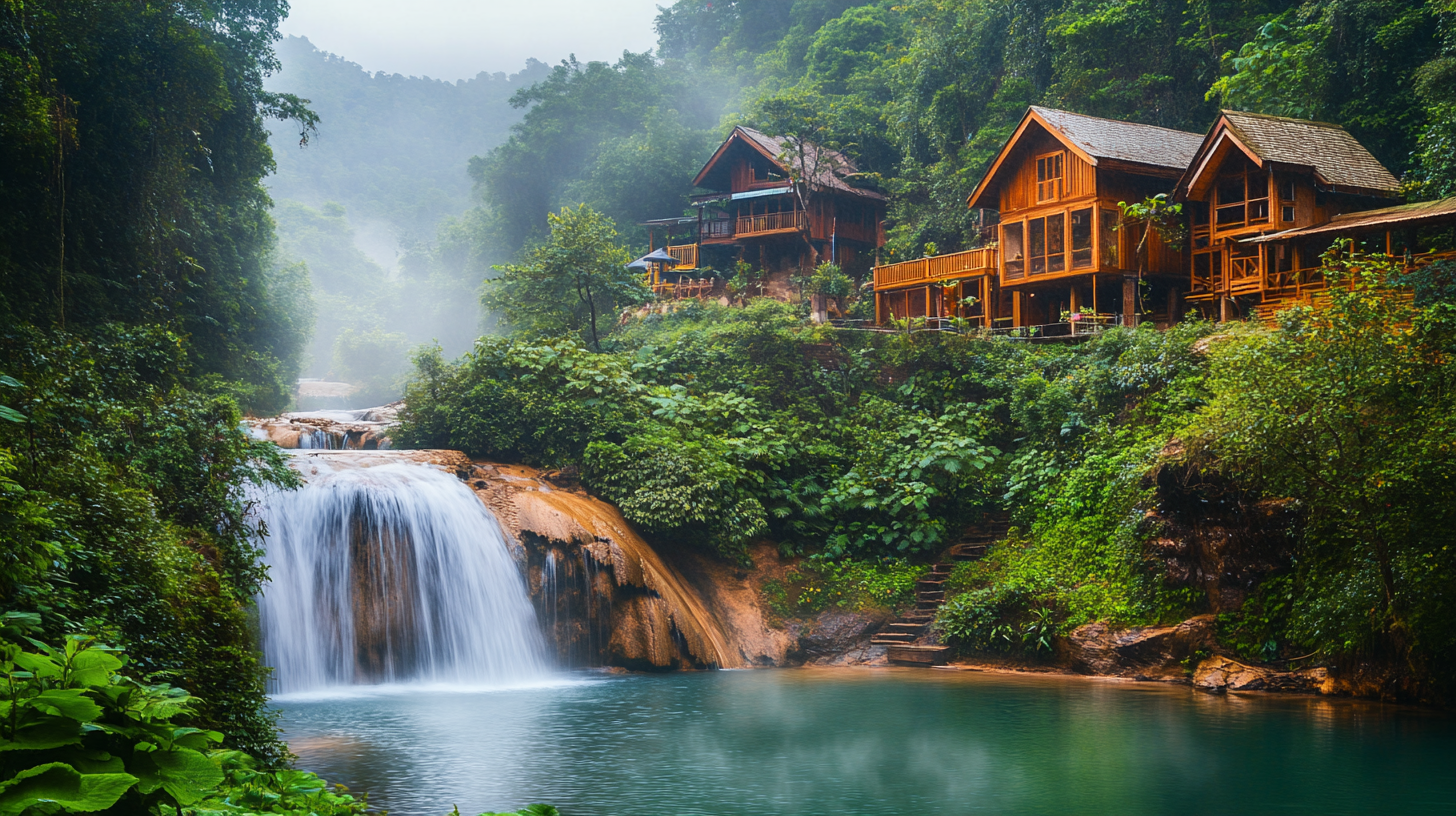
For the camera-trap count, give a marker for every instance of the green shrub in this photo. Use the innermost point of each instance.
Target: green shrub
(857, 586)
(77, 735)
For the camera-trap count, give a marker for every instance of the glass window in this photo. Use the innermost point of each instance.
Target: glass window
(1107, 235)
(1012, 251)
(1286, 191)
(1036, 241)
(1082, 239)
(1049, 177)
(1056, 233)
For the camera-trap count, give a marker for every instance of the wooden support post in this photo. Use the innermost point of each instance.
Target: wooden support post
(1223, 310)
(1095, 309)
(879, 310)
(1016, 309)
(1074, 302)
(1174, 304)
(986, 314)
(1129, 301)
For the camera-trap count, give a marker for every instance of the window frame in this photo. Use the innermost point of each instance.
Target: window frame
(1044, 180)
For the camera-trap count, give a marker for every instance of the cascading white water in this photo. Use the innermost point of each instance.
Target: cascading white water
(392, 573)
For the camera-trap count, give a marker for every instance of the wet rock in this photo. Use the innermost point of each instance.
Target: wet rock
(1220, 674)
(838, 637)
(1152, 652)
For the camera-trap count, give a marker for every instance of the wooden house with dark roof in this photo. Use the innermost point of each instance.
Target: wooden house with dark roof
(1061, 246)
(770, 198)
(1266, 195)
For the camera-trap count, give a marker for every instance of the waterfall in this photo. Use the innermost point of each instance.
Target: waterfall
(392, 573)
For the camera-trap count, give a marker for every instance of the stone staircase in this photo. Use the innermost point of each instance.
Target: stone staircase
(975, 540)
(929, 595)
(903, 636)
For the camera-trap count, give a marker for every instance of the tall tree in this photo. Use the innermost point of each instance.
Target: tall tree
(573, 283)
(132, 148)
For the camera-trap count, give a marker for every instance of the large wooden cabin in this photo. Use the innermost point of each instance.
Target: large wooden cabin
(1061, 246)
(758, 188)
(1265, 197)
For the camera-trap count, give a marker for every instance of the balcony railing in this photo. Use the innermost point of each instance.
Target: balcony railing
(772, 222)
(968, 264)
(686, 255)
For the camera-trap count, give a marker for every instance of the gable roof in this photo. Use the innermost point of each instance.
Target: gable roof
(1102, 142)
(1338, 161)
(832, 165)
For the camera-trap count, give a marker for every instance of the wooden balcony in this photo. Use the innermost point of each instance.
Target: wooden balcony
(955, 266)
(686, 255)
(768, 223)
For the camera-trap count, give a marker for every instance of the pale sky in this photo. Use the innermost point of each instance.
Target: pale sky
(457, 39)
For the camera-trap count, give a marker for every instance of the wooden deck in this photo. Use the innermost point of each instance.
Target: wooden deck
(954, 266)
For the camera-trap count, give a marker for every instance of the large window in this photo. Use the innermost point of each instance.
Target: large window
(1013, 251)
(1049, 177)
(1242, 198)
(1046, 240)
(1107, 235)
(1082, 239)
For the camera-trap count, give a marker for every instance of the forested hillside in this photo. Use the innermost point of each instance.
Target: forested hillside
(377, 209)
(139, 310)
(922, 93)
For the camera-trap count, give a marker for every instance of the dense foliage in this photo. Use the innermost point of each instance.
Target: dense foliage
(124, 493)
(716, 426)
(79, 735)
(132, 148)
(923, 93)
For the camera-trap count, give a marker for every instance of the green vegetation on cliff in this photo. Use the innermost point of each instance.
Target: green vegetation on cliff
(716, 426)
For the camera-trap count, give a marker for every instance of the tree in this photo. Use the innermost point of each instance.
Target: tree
(798, 120)
(1346, 412)
(1151, 215)
(570, 281)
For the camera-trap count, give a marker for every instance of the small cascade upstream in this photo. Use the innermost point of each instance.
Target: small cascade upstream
(388, 574)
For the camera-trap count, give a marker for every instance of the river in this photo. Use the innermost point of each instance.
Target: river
(870, 742)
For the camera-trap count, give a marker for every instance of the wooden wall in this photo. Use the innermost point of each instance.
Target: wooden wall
(1079, 177)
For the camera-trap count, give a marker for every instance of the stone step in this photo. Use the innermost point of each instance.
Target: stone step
(893, 637)
(929, 605)
(905, 626)
(918, 655)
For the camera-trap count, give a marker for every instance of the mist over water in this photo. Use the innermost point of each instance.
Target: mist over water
(392, 574)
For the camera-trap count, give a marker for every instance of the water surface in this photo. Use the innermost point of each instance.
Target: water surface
(871, 742)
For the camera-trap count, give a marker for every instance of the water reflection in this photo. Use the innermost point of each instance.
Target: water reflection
(876, 742)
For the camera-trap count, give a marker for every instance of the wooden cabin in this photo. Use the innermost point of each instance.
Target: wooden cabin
(1060, 248)
(755, 207)
(1266, 196)
(1062, 245)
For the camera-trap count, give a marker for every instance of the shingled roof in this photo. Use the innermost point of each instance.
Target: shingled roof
(1330, 151)
(832, 165)
(1124, 141)
(1149, 149)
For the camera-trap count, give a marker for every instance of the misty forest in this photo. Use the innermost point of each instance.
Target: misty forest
(378, 443)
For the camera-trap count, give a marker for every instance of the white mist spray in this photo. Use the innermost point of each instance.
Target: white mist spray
(388, 574)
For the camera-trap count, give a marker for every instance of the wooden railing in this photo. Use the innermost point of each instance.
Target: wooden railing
(771, 222)
(966, 264)
(1245, 274)
(686, 255)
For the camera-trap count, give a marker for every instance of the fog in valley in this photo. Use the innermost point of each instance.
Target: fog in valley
(380, 211)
